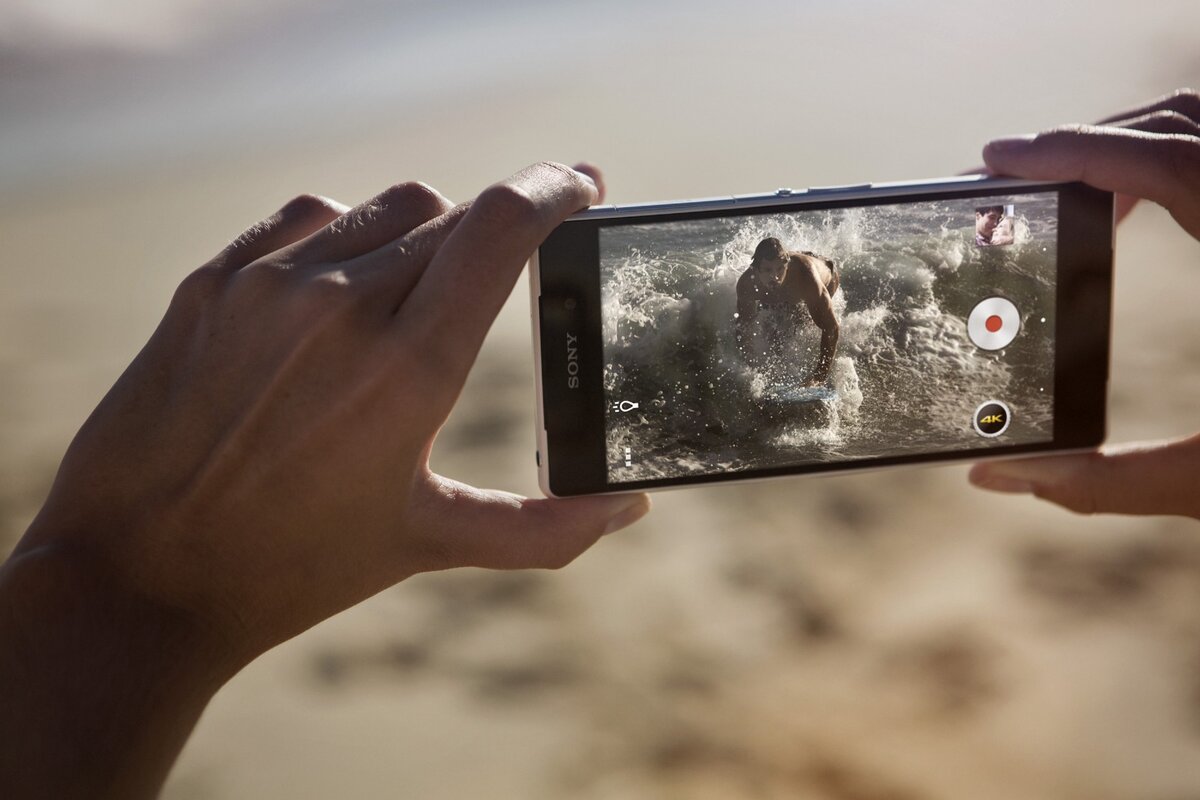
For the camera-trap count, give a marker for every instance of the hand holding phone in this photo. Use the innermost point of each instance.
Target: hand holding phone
(262, 465)
(1151, 152)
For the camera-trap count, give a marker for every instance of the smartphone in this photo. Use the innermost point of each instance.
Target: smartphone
(821, 330)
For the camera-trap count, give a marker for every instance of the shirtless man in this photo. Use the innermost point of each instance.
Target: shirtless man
(781, 280)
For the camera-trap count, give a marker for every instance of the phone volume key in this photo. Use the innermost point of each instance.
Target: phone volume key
(777, 195)
(595, 211)
(845, 187)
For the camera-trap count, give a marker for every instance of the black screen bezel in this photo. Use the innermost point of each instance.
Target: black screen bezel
(569, 304)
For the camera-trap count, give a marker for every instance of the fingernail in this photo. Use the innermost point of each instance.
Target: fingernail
(1011, 144)
(628, 515)
(588, 178)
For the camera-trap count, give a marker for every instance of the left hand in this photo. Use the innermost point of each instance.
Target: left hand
(1151, 152)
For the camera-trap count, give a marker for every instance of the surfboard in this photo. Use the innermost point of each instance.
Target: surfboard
(798, 394)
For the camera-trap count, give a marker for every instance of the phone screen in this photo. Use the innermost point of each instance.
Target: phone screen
(756, 341)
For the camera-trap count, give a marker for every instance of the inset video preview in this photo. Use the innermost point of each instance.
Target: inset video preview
(773, 340)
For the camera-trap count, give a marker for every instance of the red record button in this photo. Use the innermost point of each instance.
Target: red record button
(993, 323)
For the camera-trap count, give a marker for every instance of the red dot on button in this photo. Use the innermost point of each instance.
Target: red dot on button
(993, 323)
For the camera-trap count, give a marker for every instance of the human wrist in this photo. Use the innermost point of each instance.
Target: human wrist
(64, 588)
(102, 685)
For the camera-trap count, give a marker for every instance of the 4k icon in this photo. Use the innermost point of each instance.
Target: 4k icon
(992, 418)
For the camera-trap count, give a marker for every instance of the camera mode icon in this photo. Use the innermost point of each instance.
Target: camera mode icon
(991, 418)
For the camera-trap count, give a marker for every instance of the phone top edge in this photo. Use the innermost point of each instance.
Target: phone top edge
(812, 193)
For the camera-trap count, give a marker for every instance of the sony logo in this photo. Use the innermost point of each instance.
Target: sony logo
(572, 361)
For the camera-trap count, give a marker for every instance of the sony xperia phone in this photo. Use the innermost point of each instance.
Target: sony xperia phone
(821, 330)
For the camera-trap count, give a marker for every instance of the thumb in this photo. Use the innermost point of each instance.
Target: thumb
(1144, 478)
(467, 526)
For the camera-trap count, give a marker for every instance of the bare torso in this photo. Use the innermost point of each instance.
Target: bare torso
(807, 274)
(809, 281)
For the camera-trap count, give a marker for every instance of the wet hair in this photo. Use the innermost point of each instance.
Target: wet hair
(989, 209)
(770, 249)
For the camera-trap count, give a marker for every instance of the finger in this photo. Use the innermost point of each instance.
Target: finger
(461, 291)
(1162, 121)
(418, 247)
(388, 273)
(597, 176)
(1162, 168)
(387, 216)
(1182, 101)
(1157, 478)
(301, 216)
(466, 526)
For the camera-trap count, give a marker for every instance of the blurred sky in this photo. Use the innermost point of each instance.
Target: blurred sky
(95, 86)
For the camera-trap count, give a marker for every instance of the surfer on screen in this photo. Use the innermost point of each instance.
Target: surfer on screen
(772, 290)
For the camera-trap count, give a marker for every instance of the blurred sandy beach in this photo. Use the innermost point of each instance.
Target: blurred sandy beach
(893, 635)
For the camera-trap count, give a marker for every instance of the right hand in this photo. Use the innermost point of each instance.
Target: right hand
(263, 463)
(1151, 152)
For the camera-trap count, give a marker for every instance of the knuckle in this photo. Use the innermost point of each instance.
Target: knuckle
(328, 291)
(1168, 117)
(306, 205)
(575, 181)
(252, 234)
(412, 196)
(1080, 499)
(1188, 101)
(1071, 132)
(560, 170)
(418, 195)
(360, 217)
(1169, 122)
(269, 274)
(1183, 154)
(561, 560)
(506, 204)
(199, 287)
